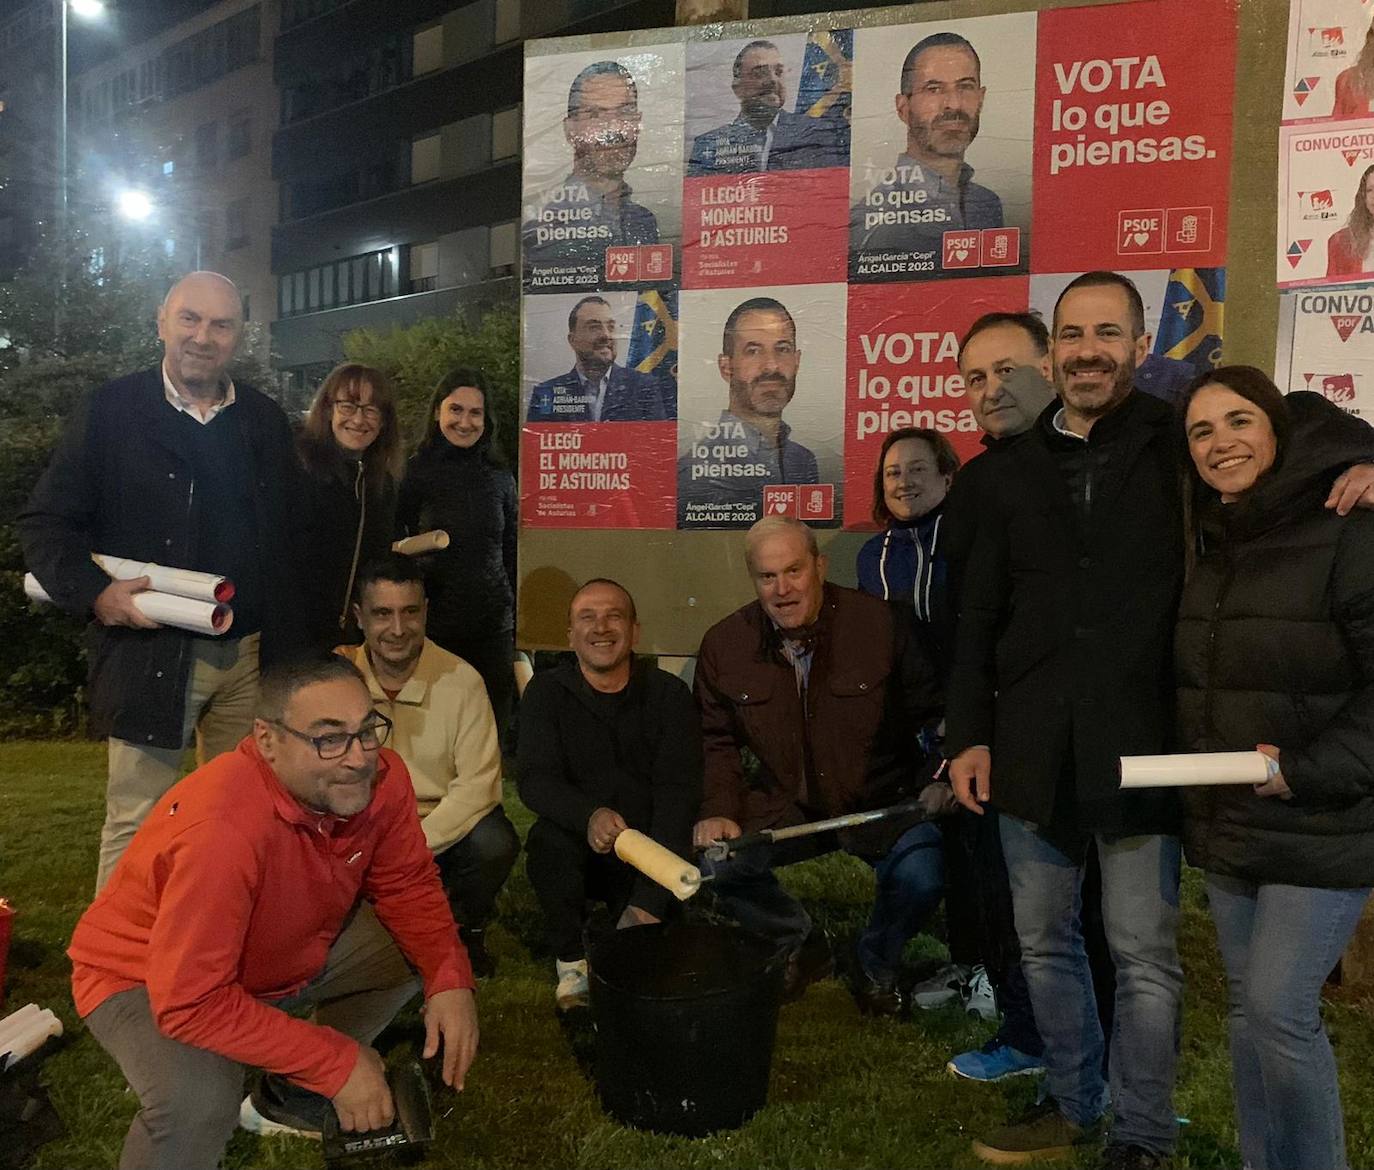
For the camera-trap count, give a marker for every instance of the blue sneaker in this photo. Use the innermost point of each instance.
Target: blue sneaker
(995, 1061)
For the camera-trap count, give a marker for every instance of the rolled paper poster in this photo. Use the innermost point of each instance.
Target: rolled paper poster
(184, 613)
(16, 1022)
(161, 579)
(680, 878)
(34, 591)
(421, 542)
(1181, 771)
(31, 1037)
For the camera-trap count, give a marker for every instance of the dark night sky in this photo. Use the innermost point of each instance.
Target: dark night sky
(128, 22)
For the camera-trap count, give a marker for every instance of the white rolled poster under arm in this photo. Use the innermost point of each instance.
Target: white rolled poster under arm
(1185, 770)
(184, 613)
(421, 542)
(161, 579)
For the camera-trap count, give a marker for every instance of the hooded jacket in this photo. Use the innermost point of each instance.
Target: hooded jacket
(1275, 644)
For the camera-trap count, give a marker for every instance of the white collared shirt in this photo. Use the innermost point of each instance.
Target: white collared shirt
(177, 402)
(1059, 425)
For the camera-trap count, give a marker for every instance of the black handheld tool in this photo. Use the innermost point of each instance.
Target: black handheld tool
(407, 1135)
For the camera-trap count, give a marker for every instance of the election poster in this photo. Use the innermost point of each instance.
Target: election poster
(599, 404)
(602, 197)
(1133, 157)
(940, 182)
(758, 408)
(1185, 311)
(1330, 62)
(1326, 345)
(747, 259)
(767, 161)
(1326, 203)
(904, 370)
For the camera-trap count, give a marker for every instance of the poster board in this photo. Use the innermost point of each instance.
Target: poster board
(684, 577)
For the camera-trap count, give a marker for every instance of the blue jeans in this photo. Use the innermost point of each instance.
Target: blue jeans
(1279, 943)
(1140, 877)
(910, 883)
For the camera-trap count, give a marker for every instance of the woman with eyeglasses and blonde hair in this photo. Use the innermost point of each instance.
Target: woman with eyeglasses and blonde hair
(350, 449)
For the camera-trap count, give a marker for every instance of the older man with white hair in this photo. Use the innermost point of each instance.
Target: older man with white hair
(825, 691)
(177, 465)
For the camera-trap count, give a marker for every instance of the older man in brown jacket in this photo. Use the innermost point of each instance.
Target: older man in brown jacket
(813, 700)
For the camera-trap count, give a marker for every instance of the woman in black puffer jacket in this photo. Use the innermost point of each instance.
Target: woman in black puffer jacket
(350, 450)
(1275, 650)
(455, 481)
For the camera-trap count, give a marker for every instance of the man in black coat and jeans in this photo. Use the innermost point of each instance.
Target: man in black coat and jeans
(606, 744)
(179, 466)
(1062, 666)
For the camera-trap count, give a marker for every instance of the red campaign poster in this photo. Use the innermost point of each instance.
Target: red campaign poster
(778, 227)
(598, 475)
(904, 370)
(1133, 136)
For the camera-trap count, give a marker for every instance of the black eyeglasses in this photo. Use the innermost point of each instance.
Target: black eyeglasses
(334, 744)
(348, 409)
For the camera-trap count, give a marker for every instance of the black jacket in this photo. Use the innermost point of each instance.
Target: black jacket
(335, 508)
(1062, 655)
(645, 763)
(119, 482)
(471, 584)
(1275, 644)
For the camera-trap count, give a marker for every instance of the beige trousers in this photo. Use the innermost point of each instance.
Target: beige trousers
(220, 697)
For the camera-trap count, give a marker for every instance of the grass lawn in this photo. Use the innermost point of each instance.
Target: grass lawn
(846, 1092)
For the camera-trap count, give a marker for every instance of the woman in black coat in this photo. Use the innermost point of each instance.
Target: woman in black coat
(456, 482)
(350, 450)
(1275, 652)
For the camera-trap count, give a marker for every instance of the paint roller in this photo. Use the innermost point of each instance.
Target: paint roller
(680, 878)
(422, 542)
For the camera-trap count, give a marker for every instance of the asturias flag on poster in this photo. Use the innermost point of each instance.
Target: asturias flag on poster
(1190, 322)
(827, 75)
(653, 343)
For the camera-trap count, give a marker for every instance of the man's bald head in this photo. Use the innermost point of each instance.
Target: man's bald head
(200, 324)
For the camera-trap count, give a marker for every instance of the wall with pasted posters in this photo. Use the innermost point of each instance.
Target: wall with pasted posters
(796, 221)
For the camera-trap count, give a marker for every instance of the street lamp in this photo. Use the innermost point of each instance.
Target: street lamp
(134, 205)
(86, 10)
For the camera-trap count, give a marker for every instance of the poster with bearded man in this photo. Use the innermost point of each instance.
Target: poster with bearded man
(940, 177)
(761, 405)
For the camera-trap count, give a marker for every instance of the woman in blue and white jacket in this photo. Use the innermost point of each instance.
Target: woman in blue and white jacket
(903, 563)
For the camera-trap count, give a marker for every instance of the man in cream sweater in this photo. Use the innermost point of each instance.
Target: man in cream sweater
(445, 732)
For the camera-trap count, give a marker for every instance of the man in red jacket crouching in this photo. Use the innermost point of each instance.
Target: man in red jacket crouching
(273, 879)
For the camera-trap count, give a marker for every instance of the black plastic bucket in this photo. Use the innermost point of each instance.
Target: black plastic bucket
(686, 1016)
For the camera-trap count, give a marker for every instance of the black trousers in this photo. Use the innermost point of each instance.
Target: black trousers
(474, 869)
(565, 873)
(493, 657)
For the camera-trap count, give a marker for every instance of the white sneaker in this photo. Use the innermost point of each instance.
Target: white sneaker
(254, 1122)
(945, 986)
(979, 997)
(573, 990)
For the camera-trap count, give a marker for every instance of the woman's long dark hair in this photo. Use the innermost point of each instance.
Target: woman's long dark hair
(946, 463)
(1254, 386)
(384, 459)
(463, 376)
